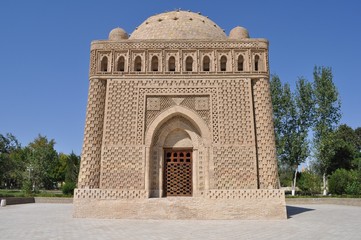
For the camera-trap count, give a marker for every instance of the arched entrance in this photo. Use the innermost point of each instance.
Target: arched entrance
(175, 143)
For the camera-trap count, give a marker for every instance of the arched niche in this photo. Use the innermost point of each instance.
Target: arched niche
(175, 129)
(197, 122)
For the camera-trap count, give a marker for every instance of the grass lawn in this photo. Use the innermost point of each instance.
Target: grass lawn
(42, 193)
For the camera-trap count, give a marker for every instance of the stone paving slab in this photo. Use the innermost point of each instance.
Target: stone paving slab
(54, 221)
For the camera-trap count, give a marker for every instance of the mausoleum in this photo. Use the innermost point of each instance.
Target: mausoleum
(179, 124)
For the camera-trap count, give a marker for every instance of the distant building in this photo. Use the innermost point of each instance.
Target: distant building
(179, 125)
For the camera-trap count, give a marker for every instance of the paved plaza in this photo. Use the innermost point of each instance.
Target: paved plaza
(54, 221)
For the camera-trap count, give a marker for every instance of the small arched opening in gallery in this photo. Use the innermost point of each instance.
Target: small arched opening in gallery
(223, 63)
(104, 64)
(240, 63)
(206, 62)
(189, 64)
(256, 63)
(120, 64)
(171, 64)
(138, 64)
(154, 64)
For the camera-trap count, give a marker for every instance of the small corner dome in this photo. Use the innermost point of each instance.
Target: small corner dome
(118, 34)
(238, 33)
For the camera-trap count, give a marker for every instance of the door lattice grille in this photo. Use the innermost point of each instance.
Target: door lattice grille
(178, 172)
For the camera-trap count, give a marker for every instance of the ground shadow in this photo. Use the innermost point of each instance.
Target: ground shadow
(291, 210)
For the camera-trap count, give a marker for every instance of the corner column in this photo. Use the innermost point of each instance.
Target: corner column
(89, 174)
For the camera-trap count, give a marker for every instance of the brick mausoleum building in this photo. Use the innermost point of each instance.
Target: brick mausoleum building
(179, 125)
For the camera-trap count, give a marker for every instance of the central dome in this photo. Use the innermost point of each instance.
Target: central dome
(178, 25)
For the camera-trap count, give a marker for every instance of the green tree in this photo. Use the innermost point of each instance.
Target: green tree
(43, 160)
(327, 116)
(309, 183)
(343, 181)
(60, 169)
(299, 120)
(68, 168)
(293, 114)
(71, 173)
(72, 168)
(11, 162)
(278, 103)
(358, 137)
(356, 163)
(345, 146)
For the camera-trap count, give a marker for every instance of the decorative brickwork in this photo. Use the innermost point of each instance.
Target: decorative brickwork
(248, 194)
(186, 44)
(265, 135)
(179, 109)
(183, 89)
(93, 134)
(234, 167)
(109, 194)
(122, 168)
(121, 109)
(235, 112)
(180, 62)
(156, 105)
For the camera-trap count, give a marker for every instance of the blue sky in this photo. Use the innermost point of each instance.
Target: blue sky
(44, 52)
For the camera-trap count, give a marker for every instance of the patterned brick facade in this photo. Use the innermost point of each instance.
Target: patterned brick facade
(166, 88)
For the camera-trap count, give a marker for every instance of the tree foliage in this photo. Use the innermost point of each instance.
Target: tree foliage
(309, 183)
(35, 166)
(43, 159)
(314, 106)
(11, 161)
(293, 116)
(72, 168)
(344, 182)
(278, 104)
(327, 116)
(327, 103)
(298, 120)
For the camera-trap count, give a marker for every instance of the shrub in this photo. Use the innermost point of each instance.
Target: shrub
(286, 177)
(68, 188)
(354, 187)
(343, 182)
(27, 187)
(309, 183)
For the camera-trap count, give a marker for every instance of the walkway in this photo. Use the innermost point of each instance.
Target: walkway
(54, 221)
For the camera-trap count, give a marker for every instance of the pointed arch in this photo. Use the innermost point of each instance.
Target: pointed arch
(191, 116)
